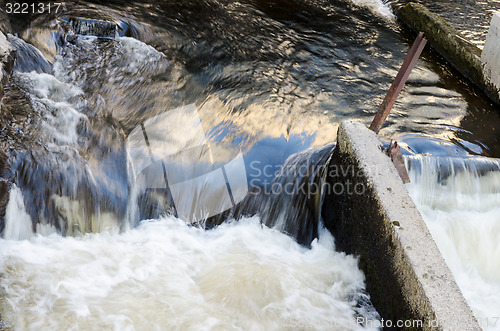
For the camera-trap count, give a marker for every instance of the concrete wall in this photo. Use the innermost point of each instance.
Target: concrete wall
(447, 41)
(490, 56)
(406, 275)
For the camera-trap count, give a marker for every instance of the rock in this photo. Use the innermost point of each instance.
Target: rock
(19, 122)
(4, 199)
(28, 57)
(4, 189)
(3, 163)
(4, 22)
(7, 58)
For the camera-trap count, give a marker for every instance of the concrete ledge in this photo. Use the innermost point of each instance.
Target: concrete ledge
(447, 41)
(406, 275)
(490, 56)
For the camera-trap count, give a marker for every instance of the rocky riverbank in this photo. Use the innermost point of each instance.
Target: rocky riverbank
(7, 57)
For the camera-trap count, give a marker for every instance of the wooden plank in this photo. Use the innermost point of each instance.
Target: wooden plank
(400, 80)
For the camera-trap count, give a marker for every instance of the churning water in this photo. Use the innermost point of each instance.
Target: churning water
(167, 275)
(74, 254)
(459, 199)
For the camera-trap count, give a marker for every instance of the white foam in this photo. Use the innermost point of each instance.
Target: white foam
(140, 54)
(377, 7)
(18, 225)
(462, 213)
(167, 275)
(57, 103)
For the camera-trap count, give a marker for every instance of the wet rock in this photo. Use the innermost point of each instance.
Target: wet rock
(3, 163)
(4, 189)
(28, 57)
(7, 57)
(4, 22)
(19, 122)
(4, 199)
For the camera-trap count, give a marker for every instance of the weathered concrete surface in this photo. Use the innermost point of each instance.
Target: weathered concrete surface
(490, 57)
(406, 275)
(447, 41)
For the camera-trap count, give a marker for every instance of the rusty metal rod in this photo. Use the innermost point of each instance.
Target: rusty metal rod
(399, 82)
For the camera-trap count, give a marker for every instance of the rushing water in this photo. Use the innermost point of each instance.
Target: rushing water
(253, 85)
(167, 275)
(459, 199)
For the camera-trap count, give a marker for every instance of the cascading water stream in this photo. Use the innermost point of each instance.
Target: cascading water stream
(84, 190)
(87, 256)
(459, 199)
(87, 245)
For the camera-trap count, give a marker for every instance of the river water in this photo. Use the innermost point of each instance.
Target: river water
(459, 199)
(254, 91)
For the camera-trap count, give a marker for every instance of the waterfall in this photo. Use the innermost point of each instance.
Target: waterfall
(91, 164)
(459, 199)
(296, 194)
(18, 225)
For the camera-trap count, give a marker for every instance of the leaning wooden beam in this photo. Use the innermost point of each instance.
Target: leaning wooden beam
(399, 82)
